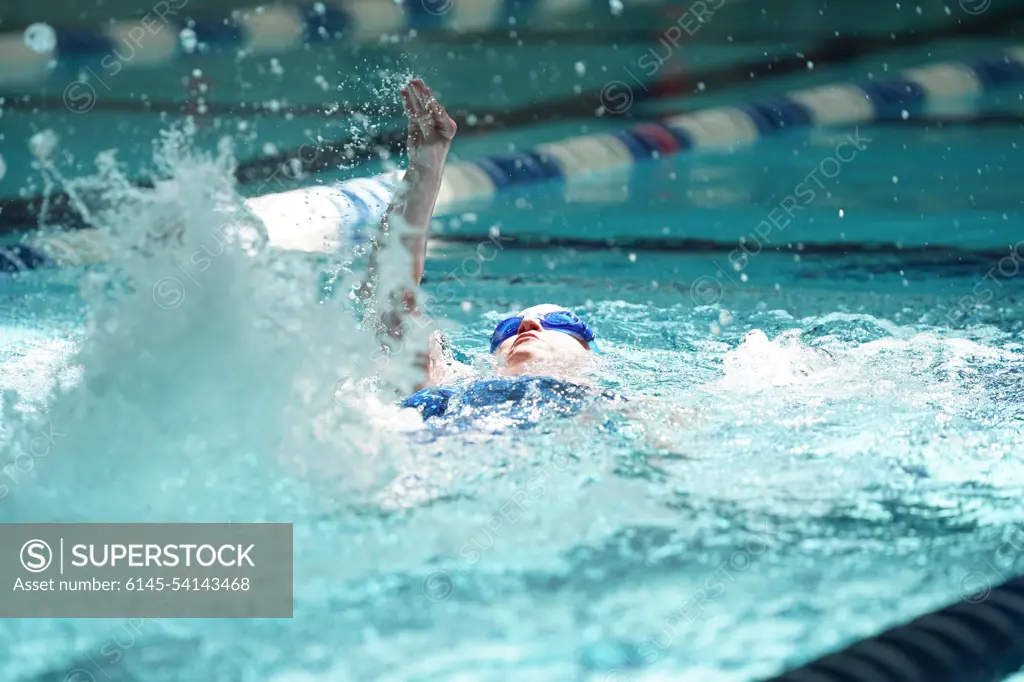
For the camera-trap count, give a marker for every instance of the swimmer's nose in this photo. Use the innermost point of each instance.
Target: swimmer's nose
(528, 325)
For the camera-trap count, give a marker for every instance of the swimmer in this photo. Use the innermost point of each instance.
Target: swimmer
(541, 354)
(540, 351)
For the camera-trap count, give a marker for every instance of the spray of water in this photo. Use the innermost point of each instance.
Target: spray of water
(207, 373)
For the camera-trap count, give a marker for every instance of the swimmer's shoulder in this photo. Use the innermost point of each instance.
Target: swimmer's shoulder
(434, 401)
(431, 401)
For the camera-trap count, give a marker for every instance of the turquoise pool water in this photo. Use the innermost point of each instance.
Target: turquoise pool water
(823, 443)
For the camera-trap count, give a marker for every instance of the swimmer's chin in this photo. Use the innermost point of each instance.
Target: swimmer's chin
(519, 364)
(521, 360)
(516, 369)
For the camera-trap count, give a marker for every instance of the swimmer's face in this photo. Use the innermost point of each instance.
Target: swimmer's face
(534, 346)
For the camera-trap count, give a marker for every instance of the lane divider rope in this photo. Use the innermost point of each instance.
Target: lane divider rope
(325, 218)
(977, 639)
(166, 33)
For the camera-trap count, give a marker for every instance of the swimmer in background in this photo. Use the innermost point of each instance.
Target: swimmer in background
(540, 354)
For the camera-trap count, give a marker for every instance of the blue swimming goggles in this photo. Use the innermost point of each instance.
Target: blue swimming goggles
(560, 320)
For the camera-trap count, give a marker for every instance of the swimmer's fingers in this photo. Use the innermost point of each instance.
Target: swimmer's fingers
(407, 101)
(415, 128)
(443, 122)
(414, 107)
(419, 114)
(417, 98)
(420, 91)
(435, 118)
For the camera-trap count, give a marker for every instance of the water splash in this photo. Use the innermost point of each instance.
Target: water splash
(207, 368)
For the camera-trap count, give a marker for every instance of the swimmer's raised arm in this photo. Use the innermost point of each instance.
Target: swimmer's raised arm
(399, 250)
(429, 139)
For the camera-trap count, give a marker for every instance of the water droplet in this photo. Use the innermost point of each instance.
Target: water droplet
(275, 67)
(904, 114)
(188, 38)
(616, 6)
(895, 180)
(42, 144)
(466, 306)
(841, 213)
(269, 149)
(319, 8)
(41, 38)
(632, 258)
(581, 69)
(810, 66)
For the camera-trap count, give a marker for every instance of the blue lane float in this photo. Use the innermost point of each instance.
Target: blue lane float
(322, 219)
(167, 32)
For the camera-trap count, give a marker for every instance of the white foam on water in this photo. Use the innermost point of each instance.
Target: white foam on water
(845, 417)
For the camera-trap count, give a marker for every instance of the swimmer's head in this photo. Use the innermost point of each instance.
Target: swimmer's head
(538, 337)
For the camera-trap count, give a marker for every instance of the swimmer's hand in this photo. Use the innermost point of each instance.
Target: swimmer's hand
(431, 129)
